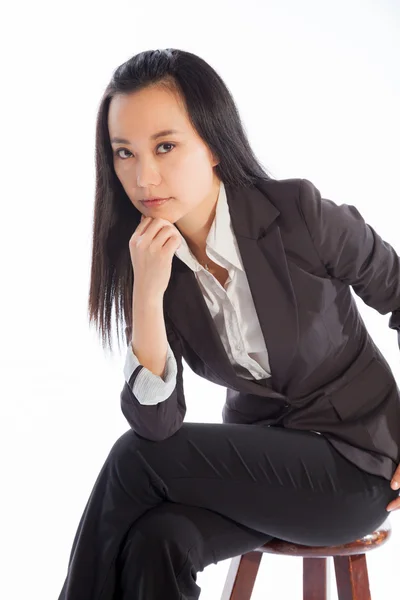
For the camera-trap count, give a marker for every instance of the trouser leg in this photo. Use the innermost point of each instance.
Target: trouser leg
(166, 548)
(284, 483)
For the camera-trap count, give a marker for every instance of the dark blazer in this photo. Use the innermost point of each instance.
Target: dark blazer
(301, 254)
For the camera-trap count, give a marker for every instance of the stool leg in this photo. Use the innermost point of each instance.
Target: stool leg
(352, 577)
(241, 576)
(314, 578)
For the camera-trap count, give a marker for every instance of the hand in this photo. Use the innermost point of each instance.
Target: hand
(395, 484)
(152, 247)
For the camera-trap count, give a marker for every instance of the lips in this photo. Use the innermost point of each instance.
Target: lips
(155, 201)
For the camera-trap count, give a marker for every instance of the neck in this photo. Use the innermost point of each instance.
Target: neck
(196, 226)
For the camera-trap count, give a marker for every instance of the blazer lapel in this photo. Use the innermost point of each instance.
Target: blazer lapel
(257, 233)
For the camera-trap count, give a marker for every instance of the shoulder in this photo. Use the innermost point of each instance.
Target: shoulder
(294, 198)
(294, 189)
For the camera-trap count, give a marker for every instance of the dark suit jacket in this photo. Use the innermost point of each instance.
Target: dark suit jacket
(301, 254)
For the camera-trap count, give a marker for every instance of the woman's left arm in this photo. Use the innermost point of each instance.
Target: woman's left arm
(352, 251)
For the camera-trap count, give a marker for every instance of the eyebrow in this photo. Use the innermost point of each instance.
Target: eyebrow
(155, 136)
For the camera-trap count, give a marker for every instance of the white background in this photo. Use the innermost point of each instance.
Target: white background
(317, 84)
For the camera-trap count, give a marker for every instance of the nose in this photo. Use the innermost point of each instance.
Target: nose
(147, 174)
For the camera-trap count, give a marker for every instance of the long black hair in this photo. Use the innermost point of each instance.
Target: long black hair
(212, 112)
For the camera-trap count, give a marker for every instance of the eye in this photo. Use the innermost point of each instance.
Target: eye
(125, 150)
(121, 150)
(166, 144)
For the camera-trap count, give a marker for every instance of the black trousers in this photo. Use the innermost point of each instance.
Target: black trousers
(159, 512)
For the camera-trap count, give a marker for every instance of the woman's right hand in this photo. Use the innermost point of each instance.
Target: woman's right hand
(152, 247)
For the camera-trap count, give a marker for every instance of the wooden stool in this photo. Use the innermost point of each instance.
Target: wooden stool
(349, 560)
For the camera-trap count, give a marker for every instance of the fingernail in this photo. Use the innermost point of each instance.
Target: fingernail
(395, 485)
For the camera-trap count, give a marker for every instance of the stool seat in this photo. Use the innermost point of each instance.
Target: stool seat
(368, 542)
(349, 561)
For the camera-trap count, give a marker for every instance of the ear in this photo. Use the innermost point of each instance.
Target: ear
(215, 161)
(213, 158)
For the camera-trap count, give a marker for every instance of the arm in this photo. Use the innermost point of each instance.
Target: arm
(353, 252)
(153, 406)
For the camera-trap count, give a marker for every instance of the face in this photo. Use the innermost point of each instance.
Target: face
(176, 165)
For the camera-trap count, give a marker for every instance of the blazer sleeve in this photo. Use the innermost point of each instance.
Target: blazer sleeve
(161, 417)
(353, 252)
(147, 387)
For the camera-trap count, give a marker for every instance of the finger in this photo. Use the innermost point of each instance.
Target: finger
(394, 505)
(145, 222)
(395, 481)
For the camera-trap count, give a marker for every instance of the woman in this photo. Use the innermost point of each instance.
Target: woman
(248, 279)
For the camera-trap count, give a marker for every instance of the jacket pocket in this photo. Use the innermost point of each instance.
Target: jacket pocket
(363, 393)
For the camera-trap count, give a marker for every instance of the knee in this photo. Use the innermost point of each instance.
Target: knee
(128, 442)
(169, 521)
(167, 529)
